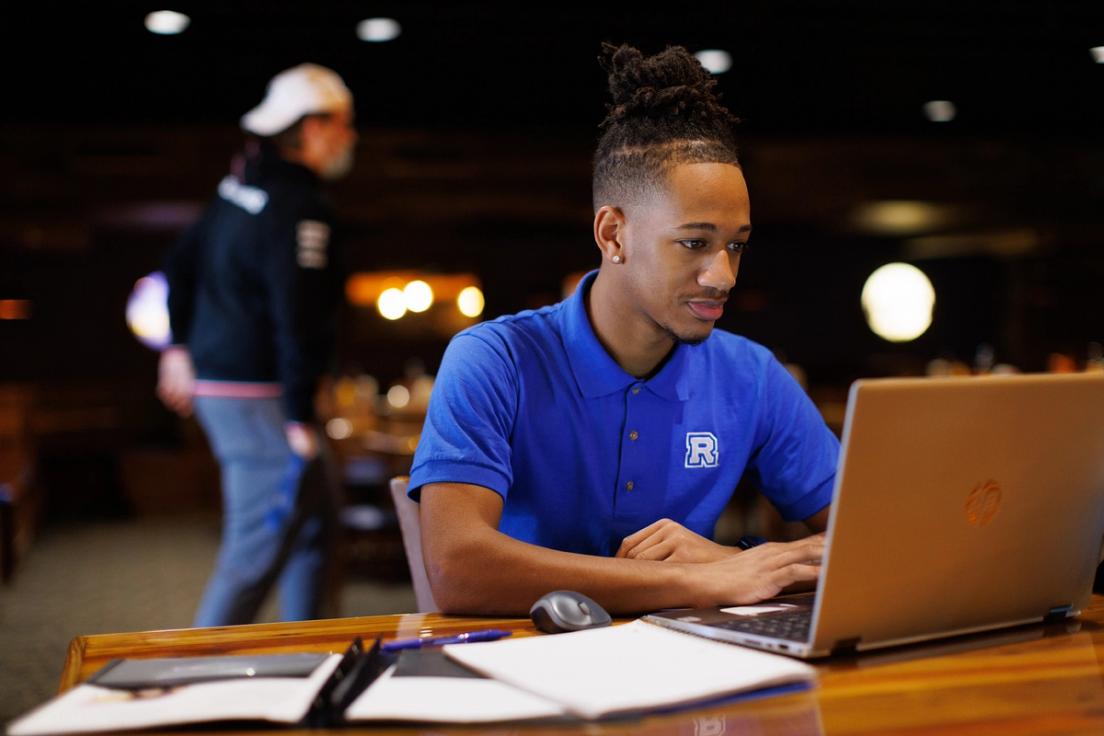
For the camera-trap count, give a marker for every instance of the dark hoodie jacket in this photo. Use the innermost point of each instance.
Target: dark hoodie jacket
(255, 284)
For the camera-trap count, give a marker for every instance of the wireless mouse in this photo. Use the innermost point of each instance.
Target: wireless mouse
(566, 610)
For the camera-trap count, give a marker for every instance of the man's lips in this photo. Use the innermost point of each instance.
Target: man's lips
(707, 309)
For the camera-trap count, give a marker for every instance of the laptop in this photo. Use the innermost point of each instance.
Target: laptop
(961, 505)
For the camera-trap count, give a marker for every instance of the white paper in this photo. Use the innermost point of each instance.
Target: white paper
(447, 700)
(637, 666)
(89, 708)
(757, 610)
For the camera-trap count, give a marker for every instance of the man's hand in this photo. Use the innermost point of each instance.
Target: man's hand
(303, 439)
(176, 380)
(761, 572)
(670, 541)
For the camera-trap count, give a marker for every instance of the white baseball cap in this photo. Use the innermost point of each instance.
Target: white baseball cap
(293, 93)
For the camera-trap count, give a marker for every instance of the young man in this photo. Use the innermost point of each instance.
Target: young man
(593, 444)
(254, 288)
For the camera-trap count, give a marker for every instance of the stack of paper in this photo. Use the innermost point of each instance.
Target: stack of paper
(635, 667)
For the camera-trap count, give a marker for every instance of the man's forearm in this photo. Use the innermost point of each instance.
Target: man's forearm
(474, 568)
(491, 573)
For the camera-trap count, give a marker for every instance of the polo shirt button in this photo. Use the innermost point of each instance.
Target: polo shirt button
(629, 486)
(636, 389)
(633, 435)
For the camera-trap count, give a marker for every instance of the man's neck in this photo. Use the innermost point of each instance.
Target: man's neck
(295, 156)
(637, 343)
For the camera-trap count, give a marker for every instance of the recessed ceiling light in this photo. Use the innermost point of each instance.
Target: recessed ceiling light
(167, 22)
(715, 61)
(378, 30)
(940, 111)
(1097, 54)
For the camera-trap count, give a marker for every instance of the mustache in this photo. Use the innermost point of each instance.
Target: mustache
(713, 295)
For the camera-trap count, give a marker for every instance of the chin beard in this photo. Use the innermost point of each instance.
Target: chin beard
(338, 166)
(688, 340)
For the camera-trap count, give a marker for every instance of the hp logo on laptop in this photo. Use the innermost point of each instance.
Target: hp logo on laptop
(982, 503)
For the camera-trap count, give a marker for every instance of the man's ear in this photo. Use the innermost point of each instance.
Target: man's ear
(609, 232)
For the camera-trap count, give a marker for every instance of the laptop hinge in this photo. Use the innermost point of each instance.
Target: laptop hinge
(1058, 613)
(846, 646)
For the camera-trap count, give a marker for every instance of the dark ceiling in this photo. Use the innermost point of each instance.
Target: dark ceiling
(848, 67)
(477, 128)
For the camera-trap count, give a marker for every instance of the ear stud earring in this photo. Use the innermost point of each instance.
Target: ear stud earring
(616, 259)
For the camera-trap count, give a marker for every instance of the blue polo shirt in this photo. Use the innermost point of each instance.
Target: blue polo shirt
(583, 454)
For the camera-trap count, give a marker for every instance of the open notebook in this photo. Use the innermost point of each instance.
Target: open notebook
(588, 674)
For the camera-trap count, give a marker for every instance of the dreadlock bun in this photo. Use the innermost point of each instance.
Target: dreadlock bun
(670, 84)
(664, 112)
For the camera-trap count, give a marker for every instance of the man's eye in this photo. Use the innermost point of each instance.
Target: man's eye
(693, 244)
(737, 247)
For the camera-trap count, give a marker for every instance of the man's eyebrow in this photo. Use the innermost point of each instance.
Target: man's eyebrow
(709, 226)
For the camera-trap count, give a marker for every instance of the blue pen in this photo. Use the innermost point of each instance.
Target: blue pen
(438, 641)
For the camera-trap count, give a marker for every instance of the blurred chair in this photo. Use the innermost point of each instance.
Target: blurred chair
(411, 527)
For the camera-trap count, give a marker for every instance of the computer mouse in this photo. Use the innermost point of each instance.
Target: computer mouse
(566, 610)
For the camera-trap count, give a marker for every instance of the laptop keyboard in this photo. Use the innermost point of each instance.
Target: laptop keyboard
(791, 625)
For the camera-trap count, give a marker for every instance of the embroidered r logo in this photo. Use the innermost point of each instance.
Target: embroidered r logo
(701, 450)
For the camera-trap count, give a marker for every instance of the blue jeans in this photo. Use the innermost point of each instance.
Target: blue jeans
(278, 516)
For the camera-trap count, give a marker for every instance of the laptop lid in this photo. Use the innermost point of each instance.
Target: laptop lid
(962, 504)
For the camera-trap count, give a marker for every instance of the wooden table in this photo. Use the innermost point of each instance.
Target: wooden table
(1031, 680)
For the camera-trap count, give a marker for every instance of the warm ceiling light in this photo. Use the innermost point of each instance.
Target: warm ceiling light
(715, 61)
(1097, 54)
(470, 302)
(898, 300)
(419, 296)
(940, 111)
(900, 216)
(391, 303)
(167, 22)
(378, 30)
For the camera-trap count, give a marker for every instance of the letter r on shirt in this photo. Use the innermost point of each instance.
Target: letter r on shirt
(701, 450)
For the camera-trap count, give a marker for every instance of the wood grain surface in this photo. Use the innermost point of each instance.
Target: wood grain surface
(1030, 680)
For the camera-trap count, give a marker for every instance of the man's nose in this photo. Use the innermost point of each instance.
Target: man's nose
(719, 273)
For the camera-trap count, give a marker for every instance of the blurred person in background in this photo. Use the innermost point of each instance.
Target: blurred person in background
(254, 290)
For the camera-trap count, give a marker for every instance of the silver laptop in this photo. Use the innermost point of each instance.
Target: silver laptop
(961, 505)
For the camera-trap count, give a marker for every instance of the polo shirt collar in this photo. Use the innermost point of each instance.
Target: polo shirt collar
(596, 372)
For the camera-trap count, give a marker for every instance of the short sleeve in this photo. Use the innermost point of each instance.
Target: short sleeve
(797, 455)
(466, 436)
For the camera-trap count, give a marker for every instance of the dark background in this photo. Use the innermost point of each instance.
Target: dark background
(477, 129)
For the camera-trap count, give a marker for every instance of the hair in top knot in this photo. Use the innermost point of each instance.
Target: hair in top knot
(663, 112)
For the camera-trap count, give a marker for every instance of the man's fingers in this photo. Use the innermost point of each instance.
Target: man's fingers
(638, 550)
(637, 542)
(771, 557)
(797, 573)
(631, 541)
(657, 552)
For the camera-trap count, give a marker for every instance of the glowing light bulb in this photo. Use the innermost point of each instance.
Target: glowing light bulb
(378, 30)
(715, 61)
(398, 396)
(940, 111)
(147, 311)
(391, 303)
(470, 301)
(167, 22)
(339, 428)
(419, 296)
(898, 300)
